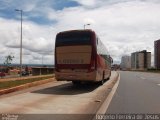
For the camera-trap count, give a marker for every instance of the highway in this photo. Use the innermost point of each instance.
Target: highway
(138, 92)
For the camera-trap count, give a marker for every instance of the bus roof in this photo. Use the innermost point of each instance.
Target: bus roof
(80, 30)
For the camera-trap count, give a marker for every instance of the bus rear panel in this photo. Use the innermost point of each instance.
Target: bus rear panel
(76, 57)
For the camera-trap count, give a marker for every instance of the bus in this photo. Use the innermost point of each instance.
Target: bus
(80, 56)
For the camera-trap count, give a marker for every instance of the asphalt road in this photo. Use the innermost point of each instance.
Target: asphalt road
(138, 92)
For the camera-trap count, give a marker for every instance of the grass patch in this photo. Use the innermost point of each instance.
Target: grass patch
(9, 84)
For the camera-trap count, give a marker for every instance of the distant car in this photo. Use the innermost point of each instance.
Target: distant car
(24, 73)
(2, 74)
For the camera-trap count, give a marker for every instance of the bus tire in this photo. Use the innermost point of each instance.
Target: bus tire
(101, 82)
(104, 79)
(109, 76)
(76, 82)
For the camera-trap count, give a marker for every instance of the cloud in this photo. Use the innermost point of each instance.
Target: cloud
(36, 39)
(86, 2)
(124, 26)
(88, 21)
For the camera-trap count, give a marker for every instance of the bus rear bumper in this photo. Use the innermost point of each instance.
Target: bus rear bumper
(76, 76)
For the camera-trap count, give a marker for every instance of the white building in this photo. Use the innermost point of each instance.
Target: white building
(125, 63)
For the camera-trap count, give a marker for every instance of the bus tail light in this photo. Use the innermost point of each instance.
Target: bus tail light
(91, 69)
(92, 66)
(57, 70)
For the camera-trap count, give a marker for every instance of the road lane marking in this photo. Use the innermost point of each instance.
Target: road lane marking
(106, 103)
(143, 78)
(158, 84)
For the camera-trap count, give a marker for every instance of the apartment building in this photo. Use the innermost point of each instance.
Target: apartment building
(157, 54)
(140, 60)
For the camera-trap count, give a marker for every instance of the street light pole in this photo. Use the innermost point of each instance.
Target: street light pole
(21, 11)
(85, 25)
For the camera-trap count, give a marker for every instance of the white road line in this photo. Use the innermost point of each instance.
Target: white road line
(158, 84)
(106, 103)
(143, 78)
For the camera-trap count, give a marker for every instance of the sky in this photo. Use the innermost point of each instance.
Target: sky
(124, 26)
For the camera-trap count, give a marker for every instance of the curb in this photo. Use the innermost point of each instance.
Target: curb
(113, 83)
(108, 99)
(24, 86)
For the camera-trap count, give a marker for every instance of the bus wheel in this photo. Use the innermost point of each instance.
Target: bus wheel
(109, 76)
(76, 82)
(101, 82)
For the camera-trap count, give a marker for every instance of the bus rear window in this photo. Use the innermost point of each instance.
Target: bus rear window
(73, 39)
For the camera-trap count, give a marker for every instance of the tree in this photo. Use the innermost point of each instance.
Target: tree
(8, 60)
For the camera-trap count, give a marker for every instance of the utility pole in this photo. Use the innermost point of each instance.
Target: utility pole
(21, 12)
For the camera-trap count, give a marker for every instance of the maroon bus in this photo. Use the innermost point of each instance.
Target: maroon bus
(80, 56)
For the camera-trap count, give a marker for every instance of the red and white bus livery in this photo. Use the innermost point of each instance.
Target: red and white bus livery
(80, 56)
